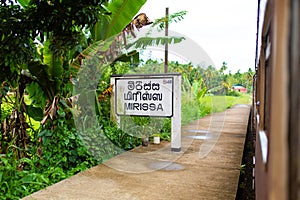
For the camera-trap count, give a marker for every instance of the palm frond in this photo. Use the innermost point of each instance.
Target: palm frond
(175, 17)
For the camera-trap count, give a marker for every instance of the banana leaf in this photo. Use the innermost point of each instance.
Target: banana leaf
(132, 56)
(55, 68)
(144, 42)
(96, 48)
(24, 3)
(54, 63)
(39, 71)
(49, 73)
(122, 12)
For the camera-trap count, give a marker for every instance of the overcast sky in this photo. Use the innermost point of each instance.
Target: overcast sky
(226, 30)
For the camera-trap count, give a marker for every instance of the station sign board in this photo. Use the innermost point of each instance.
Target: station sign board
(144, 95)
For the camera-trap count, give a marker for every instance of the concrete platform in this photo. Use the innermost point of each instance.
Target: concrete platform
(208, 166)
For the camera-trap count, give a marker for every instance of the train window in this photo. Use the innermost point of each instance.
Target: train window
(268, 47)
(267, 83)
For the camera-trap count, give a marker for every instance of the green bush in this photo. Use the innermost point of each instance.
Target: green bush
(5, 111)
(205, 109)
(16, 182)
(188, 111)
(165, 133)
(233, 93)
(121, 139)
(54, 153)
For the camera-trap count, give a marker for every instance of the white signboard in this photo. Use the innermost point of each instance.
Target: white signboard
(156, 95)
(144, 96)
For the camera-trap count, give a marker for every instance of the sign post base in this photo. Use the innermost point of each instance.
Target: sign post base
(176, 149)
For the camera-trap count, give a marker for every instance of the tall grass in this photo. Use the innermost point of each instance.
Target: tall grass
(189, 108)
(221, 103)
(192, 110)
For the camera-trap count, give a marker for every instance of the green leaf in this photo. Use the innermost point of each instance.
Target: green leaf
(98, 31)
(36, 94)
(29, 178)
(131, 56)
(35, 113)
(24, 3)
(143, 42)
(175, 17)
(122, 13)
(46, 133)
(26, 160)
(99, 46)
(61, 113)
(40, 71)
(54, 62)
(1, 175)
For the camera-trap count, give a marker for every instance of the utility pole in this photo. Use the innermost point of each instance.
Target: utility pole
(166, 44)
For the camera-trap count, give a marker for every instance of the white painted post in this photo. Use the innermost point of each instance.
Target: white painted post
(176, 119)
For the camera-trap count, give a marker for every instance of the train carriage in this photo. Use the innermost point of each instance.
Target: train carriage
(276, 101)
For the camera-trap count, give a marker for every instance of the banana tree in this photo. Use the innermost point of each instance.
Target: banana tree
(48, 74)
(108, 27)
(57, 29)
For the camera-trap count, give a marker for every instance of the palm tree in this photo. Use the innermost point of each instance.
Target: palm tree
(209, 74)
(249, 78)
(225, 84)
(223, 68)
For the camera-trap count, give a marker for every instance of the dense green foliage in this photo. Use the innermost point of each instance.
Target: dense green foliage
(39, 40)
